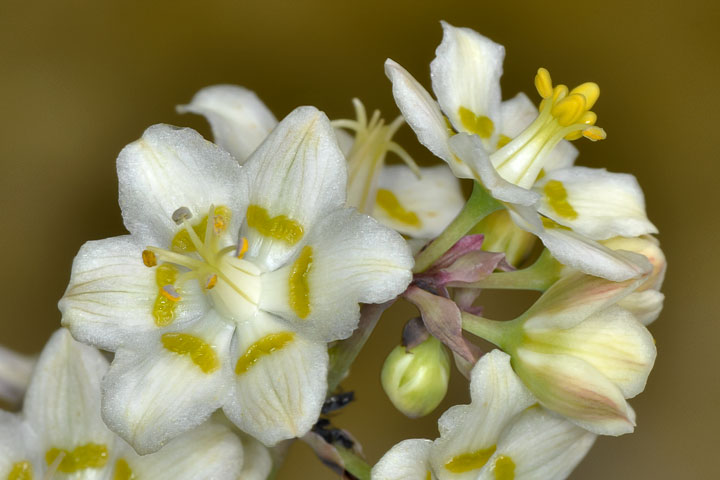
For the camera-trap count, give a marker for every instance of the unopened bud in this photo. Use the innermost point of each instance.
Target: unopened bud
(416, 381)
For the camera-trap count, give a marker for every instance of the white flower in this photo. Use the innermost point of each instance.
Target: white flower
(501, 435)
(227, 320)
(415, 201)
(580, 353)
(525, 163)
(60, 430)
(15, 371)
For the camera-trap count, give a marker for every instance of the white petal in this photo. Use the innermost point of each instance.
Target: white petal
(423, 115)
(470, 150)
(257, 463)
(497, 395)
(209, 451)
(299, 172)
(542, 446)
(580, 252)
(613, 342)
(280, 394)
(574, 298)
(645, 306)
(650, 248)
(152, 396)
(435, 199)
(15, 372)
(62, 404)
(466, 73)
(408, 460)
(240, 121)
(354, 260)
(594, 202)
(169, 168)
(18, 444)
(517, 114)
(110, 298)
(575, 389)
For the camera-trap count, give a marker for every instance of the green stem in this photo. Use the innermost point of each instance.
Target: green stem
(502, 334)
(479, 205)
(538, 276)
(358, 467)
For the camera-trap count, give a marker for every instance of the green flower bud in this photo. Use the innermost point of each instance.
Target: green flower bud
(416, 381)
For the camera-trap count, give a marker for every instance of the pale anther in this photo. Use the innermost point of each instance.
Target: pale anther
(149, 259)
(169, 292)
(211, 282)
(242, 247)
(181, 214)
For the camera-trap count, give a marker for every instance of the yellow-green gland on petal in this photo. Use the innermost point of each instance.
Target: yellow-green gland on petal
(416, 381)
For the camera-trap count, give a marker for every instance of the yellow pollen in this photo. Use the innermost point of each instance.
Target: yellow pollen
(299, 291)
(392, 206)
(557, 198)
(480, 125)
(243, 248)
(279, 227)
(543, 83)
(164, 307)
(428, 476)
(212, 281)
(170, 293)
(123, 471)
(504, 468)
(21, 471)
(201, 353)
(148, 258)
(265, 346)
(91, 455)
(466, 462)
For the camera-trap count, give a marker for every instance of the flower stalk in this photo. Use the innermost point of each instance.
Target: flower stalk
(479, 205)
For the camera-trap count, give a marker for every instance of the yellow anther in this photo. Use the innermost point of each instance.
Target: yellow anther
(559, 92)
(466, 462)
(148, 258)
(589, 90)
(594, 133)
(568, 110)
(242, 247)
(169, 292)
(543, 83)
(21, 471)
(504, 468)
(298, 283)
(123, 471)
(588, 118)
(91, 455)
(211, 282)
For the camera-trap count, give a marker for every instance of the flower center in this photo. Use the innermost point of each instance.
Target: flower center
(200, 252)
(563, 114)
(373, 139)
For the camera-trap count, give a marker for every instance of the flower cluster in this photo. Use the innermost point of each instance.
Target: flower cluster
(256, 267)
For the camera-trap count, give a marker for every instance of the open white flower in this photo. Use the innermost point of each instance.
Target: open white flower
(253, 270)
(528, 169)
(501, 435)
(415, 201)
(60, 430)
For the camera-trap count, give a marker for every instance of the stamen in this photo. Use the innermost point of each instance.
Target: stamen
(211, 282)
(242, 247)
(149, 259)
(543, 83)
(594, 134)
(169, 292)
(181, 214)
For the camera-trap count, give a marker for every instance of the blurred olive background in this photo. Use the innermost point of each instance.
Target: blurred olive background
(80, 79)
